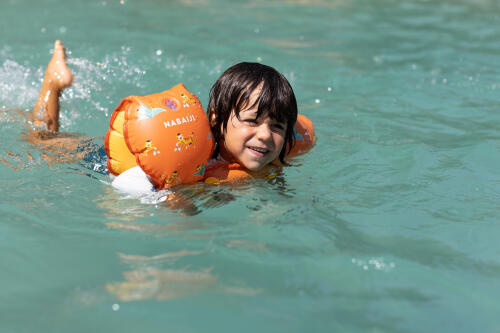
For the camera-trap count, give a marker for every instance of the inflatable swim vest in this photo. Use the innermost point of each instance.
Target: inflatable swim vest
(168, 136)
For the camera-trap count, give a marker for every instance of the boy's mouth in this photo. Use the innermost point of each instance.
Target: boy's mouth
(259, 151)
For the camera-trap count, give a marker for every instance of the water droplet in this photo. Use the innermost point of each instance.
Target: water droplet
(317, 101)
(159, 52)
(329, 88)
(43, 30)
(115, 307)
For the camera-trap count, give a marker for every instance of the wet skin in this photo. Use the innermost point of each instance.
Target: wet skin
(252, 142)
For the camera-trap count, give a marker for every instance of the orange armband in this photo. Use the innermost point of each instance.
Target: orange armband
(166, 134)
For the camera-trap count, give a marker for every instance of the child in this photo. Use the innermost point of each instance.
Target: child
(252, 111)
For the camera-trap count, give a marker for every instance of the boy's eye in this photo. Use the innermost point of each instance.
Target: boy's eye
(278, 127)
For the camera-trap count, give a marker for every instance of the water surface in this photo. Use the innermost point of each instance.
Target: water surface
(389, 224)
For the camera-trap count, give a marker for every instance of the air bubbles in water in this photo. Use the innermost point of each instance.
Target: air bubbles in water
(378, 264)
(115, 307)
(176, 67)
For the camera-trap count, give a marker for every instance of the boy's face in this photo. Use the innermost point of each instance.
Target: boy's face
(252, 142)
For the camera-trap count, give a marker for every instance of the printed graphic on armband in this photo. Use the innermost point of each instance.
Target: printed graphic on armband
(297, 135)
(184, 141)
(200, 170)
(188, 101)
(173, 179)
(148, 147)
(143, 112)
(171, 104)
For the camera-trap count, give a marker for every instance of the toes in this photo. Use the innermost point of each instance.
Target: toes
(59, 48)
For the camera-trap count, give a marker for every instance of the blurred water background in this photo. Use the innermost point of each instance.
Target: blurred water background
(389, 224)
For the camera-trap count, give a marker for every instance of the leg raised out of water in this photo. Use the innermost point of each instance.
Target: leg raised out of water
(57, 77)
(58, 147)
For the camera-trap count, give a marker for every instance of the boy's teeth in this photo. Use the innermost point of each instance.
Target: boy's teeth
(260, 150)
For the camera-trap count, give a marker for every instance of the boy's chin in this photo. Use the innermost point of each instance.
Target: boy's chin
(254, 167)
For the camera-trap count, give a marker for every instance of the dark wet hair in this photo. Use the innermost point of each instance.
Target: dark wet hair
(232, 92)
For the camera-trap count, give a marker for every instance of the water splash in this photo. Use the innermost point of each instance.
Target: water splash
(95, 81)
(19, 85)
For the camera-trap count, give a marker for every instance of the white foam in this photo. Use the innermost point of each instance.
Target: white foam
(18, 84)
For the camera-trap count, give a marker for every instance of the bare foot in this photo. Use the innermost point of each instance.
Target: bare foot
(57, 72)
(57, 77)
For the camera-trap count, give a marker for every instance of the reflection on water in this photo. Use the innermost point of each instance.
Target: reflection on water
(149, 282)
(154, 283)
(188, 200)
(169, 257)
(174, 227)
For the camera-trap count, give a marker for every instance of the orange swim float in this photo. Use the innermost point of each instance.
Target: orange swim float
(168, 136)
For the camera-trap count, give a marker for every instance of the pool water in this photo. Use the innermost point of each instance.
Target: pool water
(390, 224)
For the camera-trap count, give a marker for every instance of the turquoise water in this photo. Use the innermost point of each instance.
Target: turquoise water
(390, 224)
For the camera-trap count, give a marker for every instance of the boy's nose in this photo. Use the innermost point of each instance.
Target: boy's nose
(264, 132)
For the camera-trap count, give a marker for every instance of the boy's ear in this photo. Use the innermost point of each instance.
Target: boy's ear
(211, 117)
